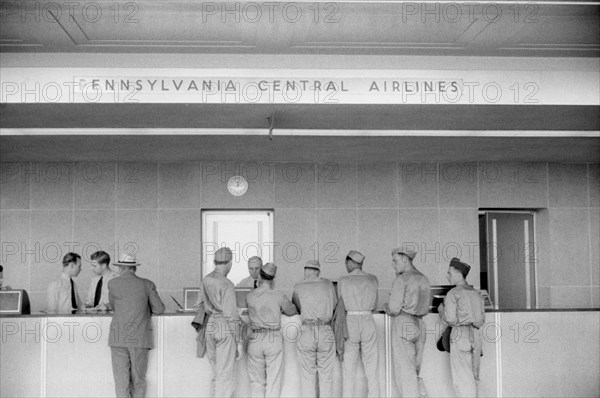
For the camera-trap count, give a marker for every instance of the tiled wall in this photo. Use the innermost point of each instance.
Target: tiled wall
(48, 209)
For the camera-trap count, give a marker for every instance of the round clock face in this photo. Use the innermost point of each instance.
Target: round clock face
(237, 185)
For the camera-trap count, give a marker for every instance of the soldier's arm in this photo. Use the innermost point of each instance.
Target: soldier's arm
(396, 297)
(296, 302)
(449, 313)
(287, 307)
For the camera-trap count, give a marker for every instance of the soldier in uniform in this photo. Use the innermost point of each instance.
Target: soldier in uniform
(254, 265)
(463, 310)
(409, 302)
(265, 348)
(315, 298)
(358, 290)
(223, 343)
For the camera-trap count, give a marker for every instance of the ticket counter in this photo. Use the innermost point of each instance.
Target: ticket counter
(533, 353)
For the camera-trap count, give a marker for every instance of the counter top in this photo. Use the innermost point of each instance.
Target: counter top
(188, 313)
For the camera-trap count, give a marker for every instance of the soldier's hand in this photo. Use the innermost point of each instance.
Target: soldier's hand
(239, 353)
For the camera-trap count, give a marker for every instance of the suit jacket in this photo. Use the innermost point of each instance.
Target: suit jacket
(133, 300)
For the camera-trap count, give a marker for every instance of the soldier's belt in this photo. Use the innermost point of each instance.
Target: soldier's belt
(264, 330)
(313, 322)
(359, 312)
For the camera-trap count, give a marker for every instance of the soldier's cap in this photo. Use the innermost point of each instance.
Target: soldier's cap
(463, 268)
(314, 264)
(269, 269)
(356, 256)
(406, 250)
(127, 260)
(223, 255)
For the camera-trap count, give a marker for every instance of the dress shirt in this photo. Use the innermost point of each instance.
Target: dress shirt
(104, 304)
(59, 296)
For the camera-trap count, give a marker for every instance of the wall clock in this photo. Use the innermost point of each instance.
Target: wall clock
(237, 185)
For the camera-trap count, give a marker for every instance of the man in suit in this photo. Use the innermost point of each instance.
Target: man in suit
(98, 292)
(254, 265)
(63, 297)
(133, 300)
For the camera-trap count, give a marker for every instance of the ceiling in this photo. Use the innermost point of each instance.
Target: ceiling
(140, 147)
(469, 28)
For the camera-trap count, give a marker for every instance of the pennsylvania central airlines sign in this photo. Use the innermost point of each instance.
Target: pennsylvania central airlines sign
(88, 85)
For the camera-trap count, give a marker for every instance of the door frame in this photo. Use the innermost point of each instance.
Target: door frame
(533, 258)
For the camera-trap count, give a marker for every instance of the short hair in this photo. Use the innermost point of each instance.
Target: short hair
(70, 258)
(255, 258)
(101, 256)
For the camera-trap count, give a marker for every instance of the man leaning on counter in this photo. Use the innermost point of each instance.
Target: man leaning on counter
(62, 292)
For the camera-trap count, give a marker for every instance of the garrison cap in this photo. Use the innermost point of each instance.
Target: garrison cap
(356, 256)
(463, 268)
(314, 264)
(223, 255)
(406, 250)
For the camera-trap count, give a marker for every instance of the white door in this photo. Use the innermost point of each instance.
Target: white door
(246, 232)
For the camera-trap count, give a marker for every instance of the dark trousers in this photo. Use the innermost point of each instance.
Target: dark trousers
(129, 369)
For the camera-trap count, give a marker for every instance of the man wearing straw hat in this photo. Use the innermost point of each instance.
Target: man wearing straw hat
(265, 348)
(410, 299)
(315, 297)
(359, 291)
(133, 300)
(463, 310)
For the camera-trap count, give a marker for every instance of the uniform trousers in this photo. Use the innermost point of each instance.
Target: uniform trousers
(408, 342)
(362, 341)
(221, 345)
(265, 363)
(465, 352)
(129, 366)
(316, 353)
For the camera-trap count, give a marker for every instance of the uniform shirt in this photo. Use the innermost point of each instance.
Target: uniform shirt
(315, 299)
(463, 305)
(218, 295)
(248, 282)
(104, 295)
(359, 291)
(411, 293)
(59, 296)
(265, 306)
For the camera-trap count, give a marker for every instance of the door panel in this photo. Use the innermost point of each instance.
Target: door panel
(246, 232)
(511, 259)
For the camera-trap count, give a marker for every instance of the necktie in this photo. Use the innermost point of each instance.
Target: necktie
(98, 292)
(73, 297)
(255, 283)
